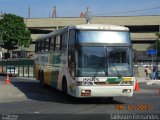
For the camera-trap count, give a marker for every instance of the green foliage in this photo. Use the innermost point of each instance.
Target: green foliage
(13, 32)
(157, 43)
(158, 35)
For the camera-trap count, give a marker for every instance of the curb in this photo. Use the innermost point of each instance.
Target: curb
(153, 82)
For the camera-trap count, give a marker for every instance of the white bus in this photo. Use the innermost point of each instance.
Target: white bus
(89, 60)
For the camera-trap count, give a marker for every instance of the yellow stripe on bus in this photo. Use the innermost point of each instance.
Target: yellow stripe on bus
(47, 77)
(127, 79)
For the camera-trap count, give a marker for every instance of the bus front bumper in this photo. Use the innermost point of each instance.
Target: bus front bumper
(103, 91)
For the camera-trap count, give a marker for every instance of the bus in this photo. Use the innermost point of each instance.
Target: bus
(87, 60)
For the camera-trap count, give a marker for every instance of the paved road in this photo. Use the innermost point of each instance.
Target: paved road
(25, 96)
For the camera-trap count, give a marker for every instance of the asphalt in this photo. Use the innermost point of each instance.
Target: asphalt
(10, 92)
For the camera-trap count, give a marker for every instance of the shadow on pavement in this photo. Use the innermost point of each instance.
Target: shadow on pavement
(32, 90)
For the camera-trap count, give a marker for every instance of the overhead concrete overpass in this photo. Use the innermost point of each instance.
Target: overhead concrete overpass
(142, 28)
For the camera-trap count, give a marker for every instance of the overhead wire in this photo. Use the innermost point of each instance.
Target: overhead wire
(139, 10)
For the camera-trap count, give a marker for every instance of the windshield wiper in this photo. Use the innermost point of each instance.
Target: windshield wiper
(98, 68)
(95, 74)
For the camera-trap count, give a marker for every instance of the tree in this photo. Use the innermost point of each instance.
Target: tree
(13, 32)
(156, 45)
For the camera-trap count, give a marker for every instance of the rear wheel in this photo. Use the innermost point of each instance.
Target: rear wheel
(39, 76)
(64, 87)
(41, 80)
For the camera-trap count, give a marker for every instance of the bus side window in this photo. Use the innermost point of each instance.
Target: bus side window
(43, 44)
(40, 45)
(64, 42)
(47, 45)
(52, 43)
(36, 46)
(71, 53)
(58, 42)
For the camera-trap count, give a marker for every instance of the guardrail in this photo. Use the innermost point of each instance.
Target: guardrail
(17, 67)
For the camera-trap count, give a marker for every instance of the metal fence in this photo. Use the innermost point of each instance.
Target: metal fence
(17, 67)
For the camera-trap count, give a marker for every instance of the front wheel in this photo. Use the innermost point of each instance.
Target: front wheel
(108, 99)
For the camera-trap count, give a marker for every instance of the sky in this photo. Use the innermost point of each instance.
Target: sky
(73, 8)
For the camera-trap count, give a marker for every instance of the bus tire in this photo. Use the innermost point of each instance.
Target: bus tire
(64, 87)
(42, 80)
(39, 75)
(110, 99)
(107, 99)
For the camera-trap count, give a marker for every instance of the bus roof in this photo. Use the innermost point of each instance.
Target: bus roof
(99, 27)
(85, 27)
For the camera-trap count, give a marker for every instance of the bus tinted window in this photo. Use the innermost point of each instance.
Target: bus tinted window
(64, 42)
(104, 37)
(52, 43)
(43, 45)
(47, 45)
(58, 42)
(71, 53)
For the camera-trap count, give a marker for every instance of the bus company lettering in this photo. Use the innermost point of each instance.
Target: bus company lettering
(90, 79)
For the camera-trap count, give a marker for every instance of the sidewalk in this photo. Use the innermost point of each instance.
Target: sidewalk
(10, 93)
(140, 80)
(148, 82)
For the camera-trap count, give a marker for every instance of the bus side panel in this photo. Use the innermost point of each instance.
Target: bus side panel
(62, 71)
(47, 76)
(48, 70)
(56, 68)
(54, 78)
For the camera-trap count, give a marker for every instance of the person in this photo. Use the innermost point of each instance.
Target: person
(145, 70)
(154, 73)
(148, 72)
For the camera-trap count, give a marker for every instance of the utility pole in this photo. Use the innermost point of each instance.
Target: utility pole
(88, 16)
(157, 48)
(54, 14)
(29, 12)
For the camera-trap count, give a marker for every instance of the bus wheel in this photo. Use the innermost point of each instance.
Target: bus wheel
(109, 99)
(42, 80)
(39, 76)
(64, 87)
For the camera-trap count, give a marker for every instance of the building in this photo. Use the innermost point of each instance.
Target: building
(142, 28)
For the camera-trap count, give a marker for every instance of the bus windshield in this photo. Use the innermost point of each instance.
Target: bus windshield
(104, 61)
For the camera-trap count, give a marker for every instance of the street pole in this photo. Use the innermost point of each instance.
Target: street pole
(157, 54)
(88, 16)
(157, 48)
(1, 33)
